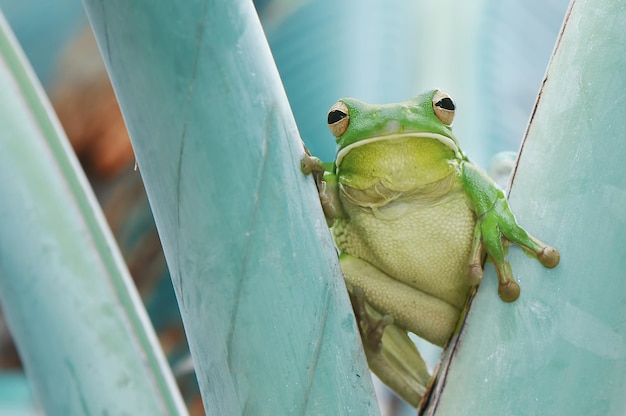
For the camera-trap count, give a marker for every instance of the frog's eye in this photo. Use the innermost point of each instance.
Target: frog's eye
(444, 107)
(338, 118)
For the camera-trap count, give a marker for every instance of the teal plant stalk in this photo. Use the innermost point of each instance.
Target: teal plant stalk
(561, 348)
(80, 327)
(255, 272)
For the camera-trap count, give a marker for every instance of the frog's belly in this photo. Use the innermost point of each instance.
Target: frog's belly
(426, 246)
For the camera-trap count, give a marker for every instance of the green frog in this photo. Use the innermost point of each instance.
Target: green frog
(412, 219)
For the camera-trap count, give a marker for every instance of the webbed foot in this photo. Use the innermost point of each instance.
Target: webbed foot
(496, 229)
(370, 327)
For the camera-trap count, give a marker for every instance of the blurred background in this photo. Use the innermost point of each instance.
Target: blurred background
(489, 55)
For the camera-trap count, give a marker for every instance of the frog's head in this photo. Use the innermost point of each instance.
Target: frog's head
(429, 115)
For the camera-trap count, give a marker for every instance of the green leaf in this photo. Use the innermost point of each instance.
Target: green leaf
(560, 349)
(255, 272)
(78, 322)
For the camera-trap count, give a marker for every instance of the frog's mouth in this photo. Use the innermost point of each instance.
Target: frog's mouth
(441, 138)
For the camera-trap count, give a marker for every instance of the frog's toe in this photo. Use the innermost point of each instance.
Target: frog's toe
(549, 257)
(309, 164)
(373, 337)
(509, 291)
(371, 325)
(475, 270)
(475, 274)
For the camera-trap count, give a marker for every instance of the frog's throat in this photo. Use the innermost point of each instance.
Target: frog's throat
(443, 139)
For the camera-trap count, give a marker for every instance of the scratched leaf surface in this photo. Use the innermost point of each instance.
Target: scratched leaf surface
(78, 322)
(561, 348)
(266, 314)
(473, 58)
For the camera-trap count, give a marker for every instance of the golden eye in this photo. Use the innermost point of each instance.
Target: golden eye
(444, 107)
(338, 118)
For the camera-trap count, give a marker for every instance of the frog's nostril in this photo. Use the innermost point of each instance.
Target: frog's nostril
(392, 126)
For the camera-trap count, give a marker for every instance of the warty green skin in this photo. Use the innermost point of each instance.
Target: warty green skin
(412, 218)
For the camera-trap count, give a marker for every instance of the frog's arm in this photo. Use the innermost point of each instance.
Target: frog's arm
(495, 226)
(327, 185)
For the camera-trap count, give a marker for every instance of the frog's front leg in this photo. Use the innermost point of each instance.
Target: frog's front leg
(495, 227)
(327, 185)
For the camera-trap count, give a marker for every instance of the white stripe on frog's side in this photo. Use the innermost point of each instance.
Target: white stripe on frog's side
(443, 139)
